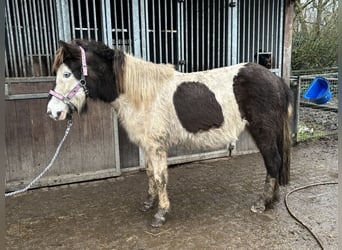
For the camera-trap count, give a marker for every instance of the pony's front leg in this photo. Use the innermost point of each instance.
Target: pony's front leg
(152, 190)
(159, 164)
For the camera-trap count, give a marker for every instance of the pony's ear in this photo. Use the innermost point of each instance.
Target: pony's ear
(69, 49)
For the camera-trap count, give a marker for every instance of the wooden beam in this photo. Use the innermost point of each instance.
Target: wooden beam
(288, 28)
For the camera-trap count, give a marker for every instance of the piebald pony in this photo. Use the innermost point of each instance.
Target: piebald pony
(160, 107)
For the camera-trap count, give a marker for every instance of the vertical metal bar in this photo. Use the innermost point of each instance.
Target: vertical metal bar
(88, 21)
(180, 35)
(243, 32)
(103, 16)
(123, 43)
(218, 37)
(148, 52)
(172, 31)
(105, 25)
(203, 32)
(249, 37)
(154, 33)
(198, 36)
(275, 33)
(136, 33)
(254, 34)
(263, 14)
(7, 73)
(34, 43)
(46, 40)
(72, 21)
(258, 33)
(213, 34)
(22, 31)
(281, 38)
(272, 38)
(95, 21)
(106, 22)
(36, 25)
(208, 38)
(238, 34)
(129, 28)
(224, 44)
(41, 34)
(166, 32)
(143, 27)
(63, 19)
(17, 27)
(159, 33)
(11, 52)
(50, 27)
(80, 18)
(54, 20)
(28, 37)
(6, 66)
(116, 25)
(267, 33)
(234, 36)
(189, 11)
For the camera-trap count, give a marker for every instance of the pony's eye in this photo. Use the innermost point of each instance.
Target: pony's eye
(66, 74)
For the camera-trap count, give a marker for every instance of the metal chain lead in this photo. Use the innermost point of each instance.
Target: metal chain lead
(69, 124)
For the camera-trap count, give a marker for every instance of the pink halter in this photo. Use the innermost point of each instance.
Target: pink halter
(81, 84)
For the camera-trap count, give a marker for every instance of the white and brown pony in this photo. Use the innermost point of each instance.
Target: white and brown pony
(160, 107)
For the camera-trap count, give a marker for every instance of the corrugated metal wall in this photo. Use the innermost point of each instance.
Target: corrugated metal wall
(191, 34)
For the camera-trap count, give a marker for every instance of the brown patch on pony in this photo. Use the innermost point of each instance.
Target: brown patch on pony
(196, 107)
(265, 101)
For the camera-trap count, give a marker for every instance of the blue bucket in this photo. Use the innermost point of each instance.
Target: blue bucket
(318, 91)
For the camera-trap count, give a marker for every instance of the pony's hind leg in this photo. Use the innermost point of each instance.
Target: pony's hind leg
(272, 162)
(270, 194)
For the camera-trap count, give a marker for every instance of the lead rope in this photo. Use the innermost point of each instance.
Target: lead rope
(69, 124)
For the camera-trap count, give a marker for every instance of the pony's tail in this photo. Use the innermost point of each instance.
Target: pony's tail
(286, 143)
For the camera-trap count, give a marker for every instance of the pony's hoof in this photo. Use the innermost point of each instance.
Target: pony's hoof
(159, 218)
(258, 207)
(148, 205)
(158, 222)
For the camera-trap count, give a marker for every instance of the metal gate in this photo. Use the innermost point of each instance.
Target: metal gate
(191, 34)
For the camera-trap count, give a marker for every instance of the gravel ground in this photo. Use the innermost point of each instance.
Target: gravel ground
(210, 208)
(318, 122)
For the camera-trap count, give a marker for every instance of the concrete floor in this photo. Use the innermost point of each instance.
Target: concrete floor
(210, 208)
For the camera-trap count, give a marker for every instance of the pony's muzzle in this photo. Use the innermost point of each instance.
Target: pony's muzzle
(58, 116)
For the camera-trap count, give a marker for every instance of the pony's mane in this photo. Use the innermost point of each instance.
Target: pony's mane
(143, 80)
(58, 60)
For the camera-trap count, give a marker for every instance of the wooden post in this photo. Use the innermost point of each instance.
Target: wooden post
(288, 27)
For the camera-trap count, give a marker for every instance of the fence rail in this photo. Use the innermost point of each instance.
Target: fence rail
(313, 120)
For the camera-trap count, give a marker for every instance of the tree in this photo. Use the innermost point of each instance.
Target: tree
(315, 36)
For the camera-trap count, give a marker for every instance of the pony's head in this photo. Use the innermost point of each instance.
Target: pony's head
(83, 68)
